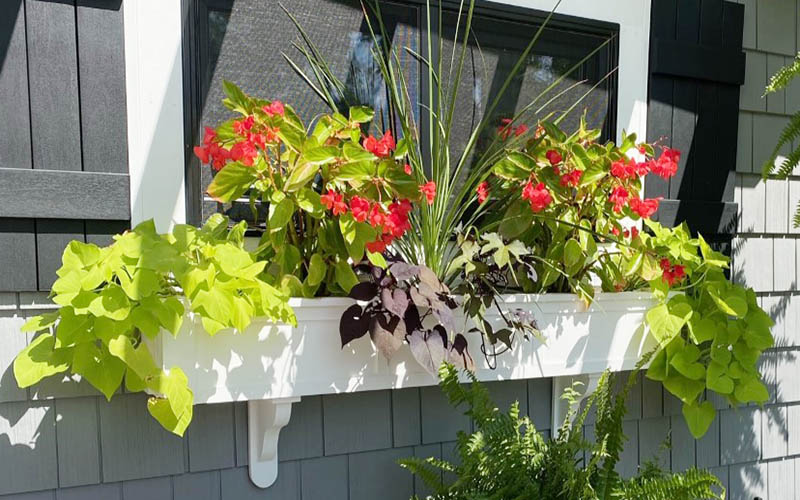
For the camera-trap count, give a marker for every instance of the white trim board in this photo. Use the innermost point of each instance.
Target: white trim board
(154, 81)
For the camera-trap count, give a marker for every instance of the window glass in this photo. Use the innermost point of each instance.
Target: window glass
(494, 48)
(245, 41)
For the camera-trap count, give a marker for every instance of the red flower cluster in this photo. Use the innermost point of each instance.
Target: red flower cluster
(274, 108)
(633, 233)
(244, 152)
(628, 169)
(407, 169)
(391, 225)
(394, 224)
(671, 274)
(429, 190)
(571, 179)
(506, 129)
(381, 148)
(242, 127)
(212, 152)
(483, 191)
(644, 208)
(334, 201)
(554, 157)
(618, 197)
(667, 164)
(360, 208)
(538, 196)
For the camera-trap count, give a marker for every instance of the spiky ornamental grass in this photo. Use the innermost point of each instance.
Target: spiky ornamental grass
(457, 175)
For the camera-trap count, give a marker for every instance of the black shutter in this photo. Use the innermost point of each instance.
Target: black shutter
(63, 142)
(696, 69)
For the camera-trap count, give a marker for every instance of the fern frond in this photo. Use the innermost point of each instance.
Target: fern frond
(784, 76)
(692, 484)
(788, 135)
(796, 218)
(427, 469)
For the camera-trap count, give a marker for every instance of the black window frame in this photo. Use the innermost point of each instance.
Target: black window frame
(194, 52)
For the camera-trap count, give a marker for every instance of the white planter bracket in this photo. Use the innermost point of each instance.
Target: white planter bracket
(560, 407)
(265, 419)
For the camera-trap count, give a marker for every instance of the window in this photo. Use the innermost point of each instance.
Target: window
(245, 41)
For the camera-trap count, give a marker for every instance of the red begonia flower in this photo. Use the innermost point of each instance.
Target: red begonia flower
(667, 164)
(538, 196)
(483, 191)
(644, 208)
(210, 135)
(331, 199)
(672, 274)
(274, 108)
(429, 190)
(504, 130)
(244, 152)
(359, 208)
(381, 148)
(618, 197)
(571, 179)
(242, 127)
(202, 153)
(376, 215)
(554, 157)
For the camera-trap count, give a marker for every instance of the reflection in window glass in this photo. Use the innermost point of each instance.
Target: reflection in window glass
(494, 49)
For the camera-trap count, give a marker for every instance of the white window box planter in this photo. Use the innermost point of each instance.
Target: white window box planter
(273, 365)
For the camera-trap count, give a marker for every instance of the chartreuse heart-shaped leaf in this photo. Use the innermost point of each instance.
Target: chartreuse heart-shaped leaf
(702, 329)
(345, 276)
(101, 369)
(684, 388)
(40, 360)
(685, 362)
(698, 417)
(659, 366)
(750, 389)
(39, 323)
(732, 303)
(73, 328)
(666, 320)
(717, 378)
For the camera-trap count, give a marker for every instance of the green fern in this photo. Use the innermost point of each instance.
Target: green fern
(689, 485)
(506, 458)
(783, 77)
(790, 133)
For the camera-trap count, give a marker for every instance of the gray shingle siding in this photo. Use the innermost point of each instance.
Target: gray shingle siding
(60, 441)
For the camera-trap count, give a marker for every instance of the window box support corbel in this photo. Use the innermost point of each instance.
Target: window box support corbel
(265, 419)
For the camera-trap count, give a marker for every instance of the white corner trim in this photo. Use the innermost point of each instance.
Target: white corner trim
(633, 17)
(154, 86)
